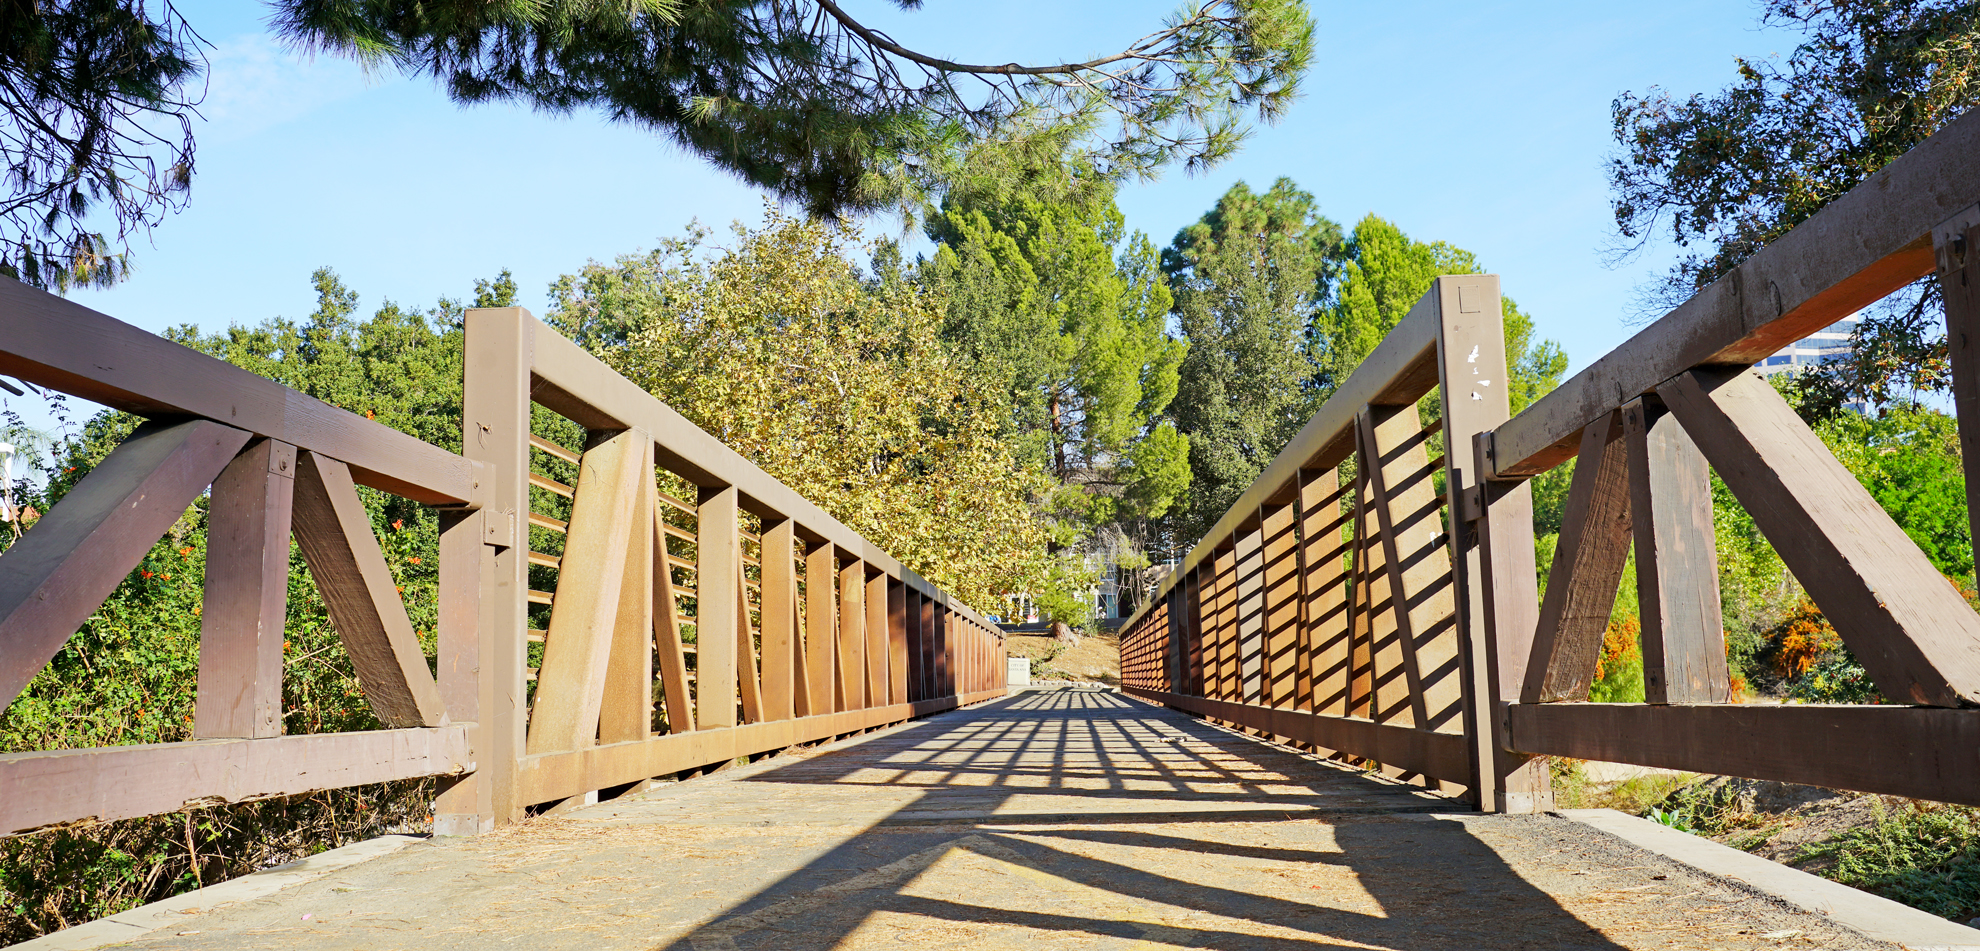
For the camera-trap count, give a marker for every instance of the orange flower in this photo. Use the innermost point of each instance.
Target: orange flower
(144, 574)
(398, 524)
(414, 559)
(186, 552)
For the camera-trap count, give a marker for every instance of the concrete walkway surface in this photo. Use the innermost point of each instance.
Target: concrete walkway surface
(1076, 819)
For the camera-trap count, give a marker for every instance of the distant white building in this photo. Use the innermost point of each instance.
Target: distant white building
(1827, 345)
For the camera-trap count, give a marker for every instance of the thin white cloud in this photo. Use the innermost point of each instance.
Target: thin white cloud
(253, 84)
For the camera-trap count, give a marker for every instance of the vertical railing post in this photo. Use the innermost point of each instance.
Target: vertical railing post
(1497, 592)
(718, 607)
(850, 680)
(495, 435)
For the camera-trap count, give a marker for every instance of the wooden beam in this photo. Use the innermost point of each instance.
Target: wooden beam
(718, 590)
(123, 782)
(898, 675)
(1416, 554)
(1282, 604)
(62, 568)
(577, 649)
(667, 636)
(1588, 566)
(1958, 260)
(1441, 756)
(748, 677)
(556, 776)
(1324, 584)
(1912, 630)
(820, 606)
(1677, 564)
(246, 597)
(850, 681)
(878, 690)
(1248, 641)
(61, 344)
(780, 635)
(1855, 251)
(1916, 752)
(627, 709)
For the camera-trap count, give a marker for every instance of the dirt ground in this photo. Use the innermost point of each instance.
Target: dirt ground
(1064, 819)
(1095, 659)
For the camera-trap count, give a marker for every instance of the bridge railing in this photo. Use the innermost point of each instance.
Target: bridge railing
(593, 631)
(1416, 639)
(1283, 620)
(623, 541)
(277, 463)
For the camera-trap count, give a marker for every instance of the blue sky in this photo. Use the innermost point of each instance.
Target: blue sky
(1482, 124)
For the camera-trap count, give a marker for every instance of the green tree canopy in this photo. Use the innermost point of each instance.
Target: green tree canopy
(1723, 174)
(1248, 279)
(1062, 316)
(835, 385)
(800, 98)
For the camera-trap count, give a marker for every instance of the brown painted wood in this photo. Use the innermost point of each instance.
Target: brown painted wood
(926, 657)
(667, 636)
(246, 599)
(559, 775)
(62, 568)
(1911, 630)
(1407, 750)
(1859, 248)
(1677, 564)
(577, 649)
(1361, 632)
(899, 681)
(820, 634)
(1958, 259)
(1193, 615)
(1508, 582)
(1325, 585)
(849, 680)
(1588, 566)
(466, 570)
(749, 684)
(334, 533)
(718, 596)
(61, 344)
(1282, 605)
(1416, 554)
(1915, 752)
(1249, 629)
(123, 782)
(879, 692)
(780, 635)
(626, 710)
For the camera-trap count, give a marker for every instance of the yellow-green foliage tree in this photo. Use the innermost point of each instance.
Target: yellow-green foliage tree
(833, 382)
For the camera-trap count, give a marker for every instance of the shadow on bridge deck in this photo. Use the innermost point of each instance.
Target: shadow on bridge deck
(1066, 819)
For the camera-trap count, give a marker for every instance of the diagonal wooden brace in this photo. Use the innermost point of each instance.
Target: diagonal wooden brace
(1912, 631)
(1588, 566)
(60, 571)
(334, 532)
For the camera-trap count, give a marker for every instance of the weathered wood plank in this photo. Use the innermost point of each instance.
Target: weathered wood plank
(1588, 566)
(123, 782)
(246, 597)
(62, 568)
(878, 690)
(1911, 630)
(1862, 246)
(1282, 604)
(667, 636)
(1916, 752)
(820, 636)
(626, 710)
(1418, 560)
(850, 681)
(1324, 584)
(718, 597)
(577, 650)
(1677, 564)
(334, 532)
(780, 635)
(1958, 260)
(61, 344)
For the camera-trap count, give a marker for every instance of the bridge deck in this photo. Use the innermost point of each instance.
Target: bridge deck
(1070, 819)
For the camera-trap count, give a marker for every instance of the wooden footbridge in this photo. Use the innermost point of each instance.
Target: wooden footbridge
(1369, 604)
